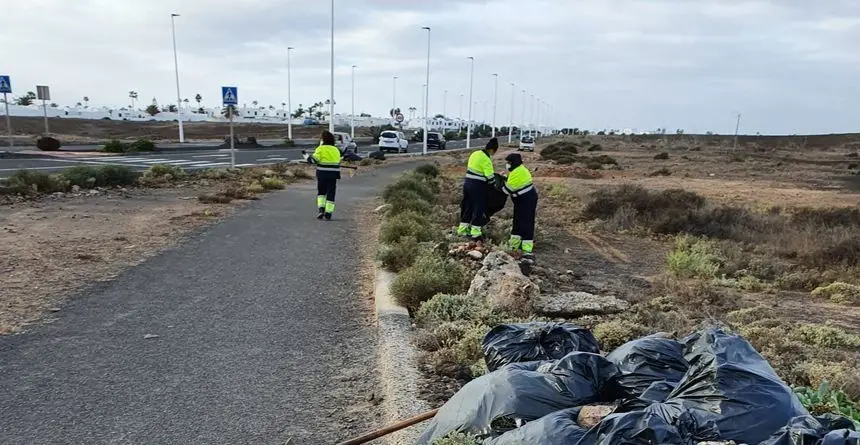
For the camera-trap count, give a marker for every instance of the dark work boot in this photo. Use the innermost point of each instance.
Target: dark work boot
(320, 213)
(327, 216)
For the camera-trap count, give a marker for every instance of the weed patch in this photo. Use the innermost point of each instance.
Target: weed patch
(272, 183)
(400, 255)
(406, 223)
(431, 274)
(694, 258)
(839, 292)
(613, 334)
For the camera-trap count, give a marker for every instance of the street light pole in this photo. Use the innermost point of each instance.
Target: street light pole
(523, 115)
(427, 91)
(537, 118)
(176, 66)
(531, 114)
(495, 100)
(469, 127)
(445, 104)
(331, 80)
(289, 96)
(393, 95)
(352, 113)
(511, 117)
(460, 116)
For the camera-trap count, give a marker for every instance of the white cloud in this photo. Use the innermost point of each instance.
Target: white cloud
(788, 65)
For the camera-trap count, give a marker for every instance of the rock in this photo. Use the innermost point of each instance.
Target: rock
(93, 192)
(591, 415)
(475, 254)
(76, 189)
(382, 208)
(503, 286)
(148, 336)
(576, 304)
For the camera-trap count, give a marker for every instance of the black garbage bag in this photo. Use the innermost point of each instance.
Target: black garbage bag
(730, 384)
(841, 437)
(377, 155)
(494, 403)
(808, 430)
(526, 342)
(350, 156)
(653, 425)
(646, 361)
(496, 198)
(656, 392)
(558, 428)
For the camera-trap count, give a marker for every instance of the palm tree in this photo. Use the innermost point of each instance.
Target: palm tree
(87, 102)
(254, 103)
(185, 101)
(198, 98)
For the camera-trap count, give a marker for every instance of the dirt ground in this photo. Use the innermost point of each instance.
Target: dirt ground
(52, 247)
(98, 131)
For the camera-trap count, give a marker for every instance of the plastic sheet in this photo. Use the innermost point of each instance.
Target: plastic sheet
(526, 342)
(652, 364)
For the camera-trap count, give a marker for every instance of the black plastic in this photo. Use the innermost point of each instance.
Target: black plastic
(521, 395)
(558, 428)
(652, 364)
(808, 430)
(526, 342)
(654, 425)
(730, 384)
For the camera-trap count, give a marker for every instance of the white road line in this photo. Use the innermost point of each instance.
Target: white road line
(112, 158)
(210, 156)
(212, 164)
(245, 165)
(73, 161)
(158, 161)
(27, 168)
(188, 162)
(272, 159)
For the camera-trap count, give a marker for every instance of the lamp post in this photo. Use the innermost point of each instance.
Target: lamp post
(531, 114)
(352, 113)
(469, 126)
(523, 115)
(427, 91)
(511, 117)
(331, 80)
(176, 67)
(495, 100)
(393, 95)
(445, 104)
(289, 97)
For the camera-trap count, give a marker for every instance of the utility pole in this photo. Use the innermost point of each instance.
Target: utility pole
(427, 92)
(737, 126)
(511, 117)
(331, 80)
(176, 66)
(495, 100)
(289, 97)
(352, 114)
(471, 83)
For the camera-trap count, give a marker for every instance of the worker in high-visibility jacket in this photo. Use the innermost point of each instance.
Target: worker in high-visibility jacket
(479, 174)
(520, 187)
(327, 159)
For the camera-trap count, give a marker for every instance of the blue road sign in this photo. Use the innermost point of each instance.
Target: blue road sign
(5, 84)
(230, 95)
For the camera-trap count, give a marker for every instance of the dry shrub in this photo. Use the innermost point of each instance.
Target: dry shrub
(826, 217)
(400, 255)
(406, 223)
(445, 307)
(661, 156)
(841, 376)
(839, 292)
(214, 199)
(560, 151)
(661, 172)
(825, 336)
(431, 274)
(613, 334)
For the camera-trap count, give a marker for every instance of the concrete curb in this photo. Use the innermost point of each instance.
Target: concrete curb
(399, 376)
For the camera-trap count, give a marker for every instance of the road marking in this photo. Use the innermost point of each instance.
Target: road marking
(245, 165)
(159, 161)
(210, 156)
(27, 168)
(271, 159)
(76, 161)
(114, 158)
(213, 164)
(188, 162)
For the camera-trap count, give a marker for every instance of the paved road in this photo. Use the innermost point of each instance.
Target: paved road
(188, 160)
(263, 336)
(213, 143)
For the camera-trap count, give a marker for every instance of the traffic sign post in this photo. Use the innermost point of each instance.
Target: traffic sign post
(43, 93)
(399, 119)
(6, 88)
(230, 98)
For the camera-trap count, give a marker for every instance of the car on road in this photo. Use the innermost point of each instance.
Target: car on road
(395, 141)
(345, 142)
(527, 143)
(310, 121)
(435, 141)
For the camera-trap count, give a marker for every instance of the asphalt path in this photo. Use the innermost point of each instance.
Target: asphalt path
(262, 337)
(189, 160)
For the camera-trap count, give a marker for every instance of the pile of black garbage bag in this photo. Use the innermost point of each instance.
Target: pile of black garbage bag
(709, 386)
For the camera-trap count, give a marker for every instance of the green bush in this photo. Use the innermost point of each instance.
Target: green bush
(270, 183)
(429, 170)
(162, 170)
(446, 307)
(694, 258)
(86, 176)
(142, 145)
(825, 336)
(408, 201)
(431, 274)
(400, 255)
(839, 292)
(419, 185)
(827, 400)
(48, 144)
(613, 334)
(115, 146)
(407, 223)
(32, 182)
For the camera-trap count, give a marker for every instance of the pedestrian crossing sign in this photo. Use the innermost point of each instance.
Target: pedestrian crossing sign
(230, 95)
(5, 84)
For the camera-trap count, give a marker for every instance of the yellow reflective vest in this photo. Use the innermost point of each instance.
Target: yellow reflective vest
(519, 182)
(327, 158)
(480, 167)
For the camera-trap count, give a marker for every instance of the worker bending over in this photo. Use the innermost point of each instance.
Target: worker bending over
(522, 191)
(479, 173)
(327, 159)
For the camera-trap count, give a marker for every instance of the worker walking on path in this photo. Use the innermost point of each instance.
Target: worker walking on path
(327, 159)
(520, 187)
(479, 174)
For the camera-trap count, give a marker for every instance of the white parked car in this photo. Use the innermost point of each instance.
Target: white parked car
(344, 142)
(527, 143)
(391, 140)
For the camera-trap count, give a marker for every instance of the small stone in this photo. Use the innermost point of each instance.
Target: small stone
(566, 251)
(474, 254)
(591, 415)
(148, 336)
(382, 208)
(54, 309)
(76, 189)
(93, 192)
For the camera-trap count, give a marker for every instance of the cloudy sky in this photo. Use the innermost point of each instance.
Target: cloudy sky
(788, 66)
